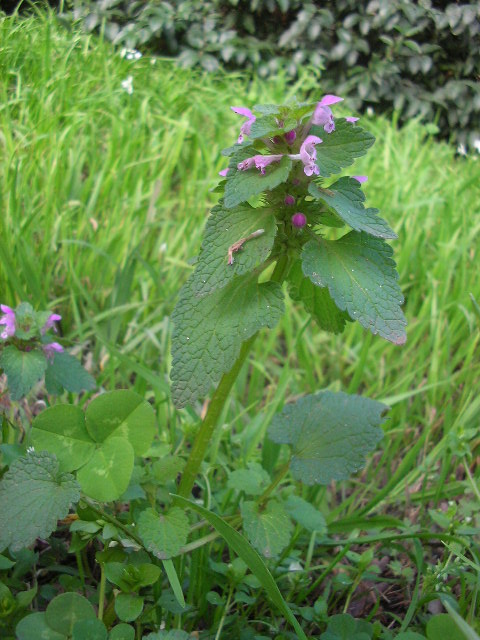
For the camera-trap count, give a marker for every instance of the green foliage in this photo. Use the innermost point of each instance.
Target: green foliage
(66, 372)
(23, 369)
(253, 480)
(128, 607)
(242, 185)
(361, 278)
(66, 610)
(340, 148)
(163, 533)
(305, 514)
(330, 434)
(268, 528)
(35, 626)
(380, 53)
(209, 332)
(34, 494)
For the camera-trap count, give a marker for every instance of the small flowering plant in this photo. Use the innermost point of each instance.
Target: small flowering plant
(28, 352)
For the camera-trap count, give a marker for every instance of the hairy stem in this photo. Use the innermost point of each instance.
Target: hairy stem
(219, 399)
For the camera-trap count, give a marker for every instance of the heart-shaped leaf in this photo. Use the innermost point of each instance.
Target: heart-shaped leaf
(163, 534)
(107, 474)
(269, 528)
(22, 368)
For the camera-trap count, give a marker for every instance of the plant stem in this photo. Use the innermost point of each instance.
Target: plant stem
(219, 398)
(106, 516)
(282, 472)
(101, 591)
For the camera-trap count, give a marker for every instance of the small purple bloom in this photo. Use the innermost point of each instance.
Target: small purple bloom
(246, 126)
(360, 178)
(351, 119)
(289, 200)
(52, 318)
(299, 220)
(51, 349)
(260, 162)
(323, 114)
(290, 136)
(8, 319)
(223, 172)
(308, 155)
(277, 140)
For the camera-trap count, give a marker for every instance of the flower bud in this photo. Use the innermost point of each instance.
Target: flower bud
(299, 220)
(290, 136)
(289, 200)
(277, 140)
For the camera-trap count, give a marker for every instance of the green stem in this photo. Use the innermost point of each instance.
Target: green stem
(106, 516)
(219, 398)
(101, 591)
(276, 481)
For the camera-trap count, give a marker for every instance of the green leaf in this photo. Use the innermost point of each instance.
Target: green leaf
(317, 301)
(442, 626)
(305, 514)
(251, 558)
(167, 469)
(163, 534)
(34, 495)
(22, 368)
(173, 634)
(269, 529)
(128, 607)
(361, 278)
(66, 609)
(330, 434)
(347, 200)
(122, 631)
(209, 332)
(35, 627)
(89, 630)
(267, 125)
(26, 321)
(224, 228)
(66, 372)
(122, 414)
(107, 474)
(343, 627)
(462, 625)
(242, 185)
(61, 430)
(340, 148)
(5, 563)
(253, 481)
(175, 585)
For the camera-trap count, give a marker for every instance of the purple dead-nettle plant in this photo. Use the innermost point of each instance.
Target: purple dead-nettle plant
(278, 197)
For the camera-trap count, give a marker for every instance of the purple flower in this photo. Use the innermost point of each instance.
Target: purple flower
(299, 220)
(351, 119)
(323, 114)
(51, 349)
(223, 172)
(260, 162)
(290, 136)
(289, 200)
(8, 319)
(246, 126)
(308, 155)
(360, 178)
(52, 318)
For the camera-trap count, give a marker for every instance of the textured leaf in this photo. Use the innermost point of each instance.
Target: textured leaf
(252, 481)
(163, 534)
(209, 332)
(61, 430)
(305, 514)
(269, 529)
(107, 474)
(224, 228)
(340, 148)
(361, 278)
(347, 200)
(242, 185)
(168, 468)
(66, 372)
(34, 495)
(23, 369)
(316, 300)
(252, 559)
(123, 414)
(330, 434)
(92, 629)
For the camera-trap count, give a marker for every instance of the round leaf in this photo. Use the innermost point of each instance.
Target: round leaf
(61, 430)
(268, 529)
(107, 474)
(35, 627)
(125, 414)
(122, 632)
(92, 629)
(66, 609)
(441, 627)
(128, 607)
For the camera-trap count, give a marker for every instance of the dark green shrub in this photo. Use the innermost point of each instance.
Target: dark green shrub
(420, 58)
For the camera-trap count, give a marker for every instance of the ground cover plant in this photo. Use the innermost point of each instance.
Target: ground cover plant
(97, 175)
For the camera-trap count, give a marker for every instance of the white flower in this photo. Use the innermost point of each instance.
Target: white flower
(462, 149)
(370, 111)
(130, 54)
(476, 144)
(30, 449)
(295, 566)
(127, 85)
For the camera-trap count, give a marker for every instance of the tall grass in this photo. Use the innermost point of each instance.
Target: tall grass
(104, 197)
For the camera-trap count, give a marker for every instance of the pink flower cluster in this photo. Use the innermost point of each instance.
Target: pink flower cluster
(8, 320)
